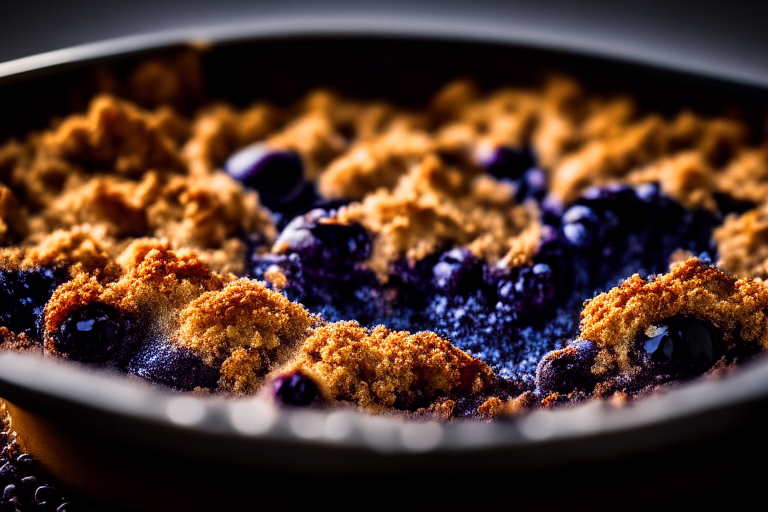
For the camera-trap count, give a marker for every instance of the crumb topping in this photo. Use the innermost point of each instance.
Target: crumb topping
(742, 243)
(245, 321)
(434, 205)
(131, 199)
(735, 307)
(380, 368)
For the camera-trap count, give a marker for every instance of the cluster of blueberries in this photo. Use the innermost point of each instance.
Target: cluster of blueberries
(25, 487)
(508, 317)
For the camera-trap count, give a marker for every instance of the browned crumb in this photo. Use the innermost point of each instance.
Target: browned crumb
(379, 368)
(742, 243)
(176, 79)
(735, 307)
(652, 149)
(433, 205)
(492, 407)
(13, 219)
(745, 178)
(116, 136)
(237, 325)
(374, 163)
(248, 327)
(219, 130)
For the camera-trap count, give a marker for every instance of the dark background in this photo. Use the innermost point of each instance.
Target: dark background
(729, 37)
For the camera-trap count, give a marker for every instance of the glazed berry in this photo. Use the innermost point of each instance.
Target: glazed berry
(295, 389)
(173, 366)
(23, 294)
(568, 369)
(94, 333)
(505, 162)
(681, 343)
(278, 175)
(457, 272)
(317, 236)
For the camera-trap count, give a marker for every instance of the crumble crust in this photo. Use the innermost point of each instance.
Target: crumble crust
(380, 368)
(434, 205)
(735, 307)
(130, 197)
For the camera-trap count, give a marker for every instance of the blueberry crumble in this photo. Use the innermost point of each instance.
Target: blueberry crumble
(487, 254)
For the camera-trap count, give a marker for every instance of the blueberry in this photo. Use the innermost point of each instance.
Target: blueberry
(581, 226)
(506, 162)
(10, 494)
(568, 369)
(295, 389)
(278, 175)
(680, 344)
(173, 366)
(46, 495)
(95, 333)
(457, 272)
(23, 294)
(8, 472)
(531, 290)
(531, 185)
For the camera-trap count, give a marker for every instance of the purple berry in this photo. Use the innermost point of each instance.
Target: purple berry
(23, 294)
(47, 495)
(456, 272)
(680, 344)
(505, 162)
(317, 237)
(95, 333)
(531, 185)
(295, 389)
(173, 366)
(581, 226)
(568, 369)
(529, 290)
(278, 175)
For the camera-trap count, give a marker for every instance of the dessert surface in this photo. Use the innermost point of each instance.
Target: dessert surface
(486, 254)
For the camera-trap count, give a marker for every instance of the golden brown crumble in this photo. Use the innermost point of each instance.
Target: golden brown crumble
(235, 324)
(742, 243)
(131, 197)
(734, 307)
(434, 205)
(379, 368)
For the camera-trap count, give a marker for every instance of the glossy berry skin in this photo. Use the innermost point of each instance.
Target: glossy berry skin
(505, 162)
(94, 333)
(164, 363)
(323, 261)
(278, 175)
(680, 344)
(295, 389)
(23, 295)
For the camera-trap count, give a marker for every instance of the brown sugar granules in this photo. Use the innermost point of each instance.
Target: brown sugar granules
(380, 369)
(735, 307)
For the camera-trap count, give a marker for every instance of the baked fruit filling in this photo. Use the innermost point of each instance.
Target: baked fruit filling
(489, 253)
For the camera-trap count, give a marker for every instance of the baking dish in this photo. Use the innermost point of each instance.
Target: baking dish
(106, 436)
